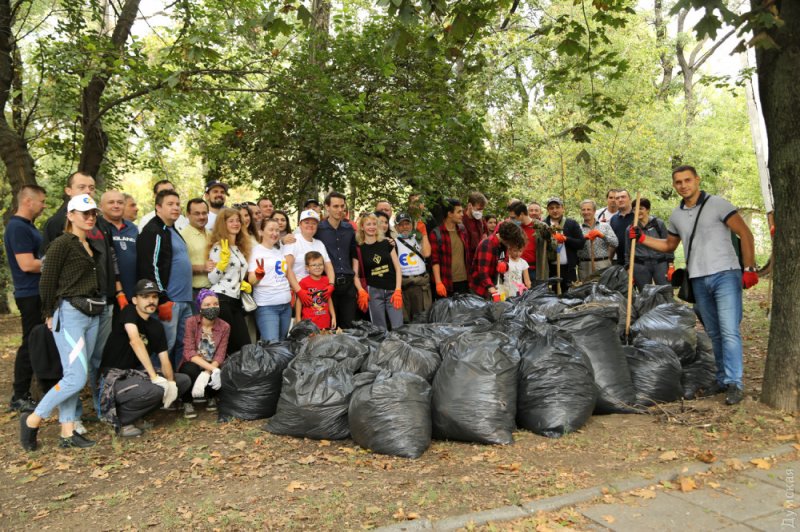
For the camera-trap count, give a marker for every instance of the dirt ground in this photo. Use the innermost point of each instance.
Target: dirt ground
(203, 475)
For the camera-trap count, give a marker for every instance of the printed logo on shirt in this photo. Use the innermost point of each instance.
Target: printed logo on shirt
(408, 259)
(376, 259)
(280, 267)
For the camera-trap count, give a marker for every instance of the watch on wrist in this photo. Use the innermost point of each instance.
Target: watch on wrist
(750, 269)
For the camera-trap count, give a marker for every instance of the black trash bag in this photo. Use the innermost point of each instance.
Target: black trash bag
(396, 355)
(655, 372)
(556, 393)
(651, 296)
(464, 309)
(347, 351)
(700, 377)
(594, 331)
(390, 413)
(595, 293)
(314, 400)
(581, 292)
(672, 324)
(475, 389)
(368, 333)
(251, 380)
(615, 278)
(300, 333)
(428, 336)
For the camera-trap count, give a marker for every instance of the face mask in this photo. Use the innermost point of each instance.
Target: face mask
(517, 222)
(477, 214)
(405, 235)
(210, 313)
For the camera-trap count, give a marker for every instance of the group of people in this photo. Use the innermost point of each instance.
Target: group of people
(147, 314)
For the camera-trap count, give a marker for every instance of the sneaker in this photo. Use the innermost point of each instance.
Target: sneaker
(188, 411)
(23, 404)
(129, 431)
(79, 428)
(173, 407)
(27, 435)
(734, 395)
(76, 440)
(212, 405)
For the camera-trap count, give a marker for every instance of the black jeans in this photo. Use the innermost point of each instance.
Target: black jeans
(193, 371)
(344, 301)
(136, 397)
(30, 309)
(231, 310)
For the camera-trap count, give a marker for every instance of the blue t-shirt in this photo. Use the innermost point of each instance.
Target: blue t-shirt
(21, 236)
(125, 245)
(180, 275)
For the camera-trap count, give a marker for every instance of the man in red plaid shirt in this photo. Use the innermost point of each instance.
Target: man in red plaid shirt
(450, 252)
(491, 251)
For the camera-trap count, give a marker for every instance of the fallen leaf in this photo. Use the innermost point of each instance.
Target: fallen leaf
(707, 456)
(412, 515)
(796, 446)
(714, 485)
(324, 443)
(608, 518)
(307, 460)
(64, 496)
(667, 456)
(760, 463)
(372, 510)
(687, 484)
(240, 445)
(295, 485)
(99, 473)
(735, 464)
(644, 494)
(509, 467)
(787, 437)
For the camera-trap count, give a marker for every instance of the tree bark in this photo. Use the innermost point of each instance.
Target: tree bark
(780, 99)
(667, 62)
(95, 140)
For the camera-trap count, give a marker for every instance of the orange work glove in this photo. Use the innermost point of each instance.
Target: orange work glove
(122, 301)
(560, 238)
(670, 271)
(421, 228)
(165, 311)
(305, 298)
(594, 233)
(441, 290)
(328, 292)
(260, 273)
(772, 231)
(502, 267)
(397, 299)
(363, 300)
(749, 279)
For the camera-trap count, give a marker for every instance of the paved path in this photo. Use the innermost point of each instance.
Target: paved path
(746, 500)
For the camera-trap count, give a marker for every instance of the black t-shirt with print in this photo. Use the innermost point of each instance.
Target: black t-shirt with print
(378, 266)
(118, 352)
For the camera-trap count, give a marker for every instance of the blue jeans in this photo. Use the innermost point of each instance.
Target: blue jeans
(96, 357)
(75, 335)
(273, 321)
(719, 304)
(174, 330)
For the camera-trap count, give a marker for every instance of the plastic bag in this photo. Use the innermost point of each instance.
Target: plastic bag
(557, 393)
(396, 355)
(475, 389)
(464, 309)
(651, 296)
(300, 333)
(347, 351)
(615, 278)
(595, 332)
(390, 413)
(314, 400)
(251, 380)
(700, 377)
(672, 324)
(655, 372)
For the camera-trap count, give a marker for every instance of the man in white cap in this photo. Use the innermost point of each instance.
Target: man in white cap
(296, 255)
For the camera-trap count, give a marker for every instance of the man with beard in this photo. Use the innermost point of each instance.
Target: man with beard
(131, 386)
(216, 192)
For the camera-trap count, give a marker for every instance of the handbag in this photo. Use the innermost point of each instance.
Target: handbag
(248, 302)
(88, 305)
(680, 277)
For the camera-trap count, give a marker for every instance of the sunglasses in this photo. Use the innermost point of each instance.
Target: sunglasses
(87, 214)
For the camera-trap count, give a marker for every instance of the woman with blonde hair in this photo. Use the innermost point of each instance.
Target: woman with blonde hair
(378, 267)
(229, 249)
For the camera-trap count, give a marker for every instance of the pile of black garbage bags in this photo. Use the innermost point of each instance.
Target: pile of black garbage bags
(475, 371)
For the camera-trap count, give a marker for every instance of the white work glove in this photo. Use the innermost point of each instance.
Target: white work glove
(161, 381)
(199, 388)
(170, 394)
(216, 379)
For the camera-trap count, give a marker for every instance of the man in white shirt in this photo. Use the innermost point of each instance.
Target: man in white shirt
(216, 192)
(296, 253)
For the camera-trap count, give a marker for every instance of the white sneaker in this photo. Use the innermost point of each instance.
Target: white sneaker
(188, 411)
(79, 428)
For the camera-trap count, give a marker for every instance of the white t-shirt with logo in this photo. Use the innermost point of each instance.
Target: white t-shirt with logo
(410, 262)
(299, 249)
(274, 288)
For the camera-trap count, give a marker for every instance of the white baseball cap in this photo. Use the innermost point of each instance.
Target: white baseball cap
(309, 214)
(82, 202)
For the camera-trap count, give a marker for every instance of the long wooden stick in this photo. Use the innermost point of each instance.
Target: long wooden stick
(630, 270)
(591, 253)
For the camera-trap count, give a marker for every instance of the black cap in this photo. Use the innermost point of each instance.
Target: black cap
(146, 286)
(402, 217)
(309, 201)
(216, 183)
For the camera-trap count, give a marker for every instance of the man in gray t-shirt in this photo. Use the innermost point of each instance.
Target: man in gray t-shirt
(717, 278)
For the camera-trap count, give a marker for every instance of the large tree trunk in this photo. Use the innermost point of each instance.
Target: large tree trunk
(780, 99)
(667, 60)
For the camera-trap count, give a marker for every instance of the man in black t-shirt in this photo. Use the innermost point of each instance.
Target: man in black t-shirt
(131, 386)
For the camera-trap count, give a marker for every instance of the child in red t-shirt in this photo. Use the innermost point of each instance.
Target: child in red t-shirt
(321, 309)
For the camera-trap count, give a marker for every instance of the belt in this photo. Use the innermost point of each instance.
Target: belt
(645, 261)
(413, 276)
(596, 258)
(343, 279)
